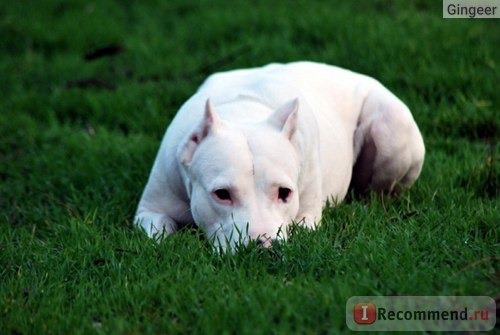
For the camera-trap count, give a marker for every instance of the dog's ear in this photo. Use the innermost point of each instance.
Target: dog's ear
(285, 118)
(209, 124)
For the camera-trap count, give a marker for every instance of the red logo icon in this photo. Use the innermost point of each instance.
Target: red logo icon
(365, 313)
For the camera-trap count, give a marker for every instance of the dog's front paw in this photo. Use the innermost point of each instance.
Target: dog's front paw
(155, 225)
(307, 220)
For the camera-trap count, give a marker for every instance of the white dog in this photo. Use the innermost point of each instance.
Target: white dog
(256, 149)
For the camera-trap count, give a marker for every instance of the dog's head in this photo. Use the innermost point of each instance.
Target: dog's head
(242, 181)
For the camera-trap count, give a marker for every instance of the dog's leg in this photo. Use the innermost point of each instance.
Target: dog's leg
(157, 202)
(311, 204)
(388, 147)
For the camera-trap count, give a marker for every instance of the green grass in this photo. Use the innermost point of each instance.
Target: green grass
(77, 140)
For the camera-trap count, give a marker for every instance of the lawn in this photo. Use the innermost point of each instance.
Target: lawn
(87, 89)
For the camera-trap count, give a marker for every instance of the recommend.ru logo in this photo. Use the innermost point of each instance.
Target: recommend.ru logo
(365, 313)
(421, 313)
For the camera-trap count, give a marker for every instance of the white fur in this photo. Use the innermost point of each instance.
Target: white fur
(301, 126)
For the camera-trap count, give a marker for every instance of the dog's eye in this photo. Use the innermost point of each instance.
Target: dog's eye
(284, 193)
(222, 194)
